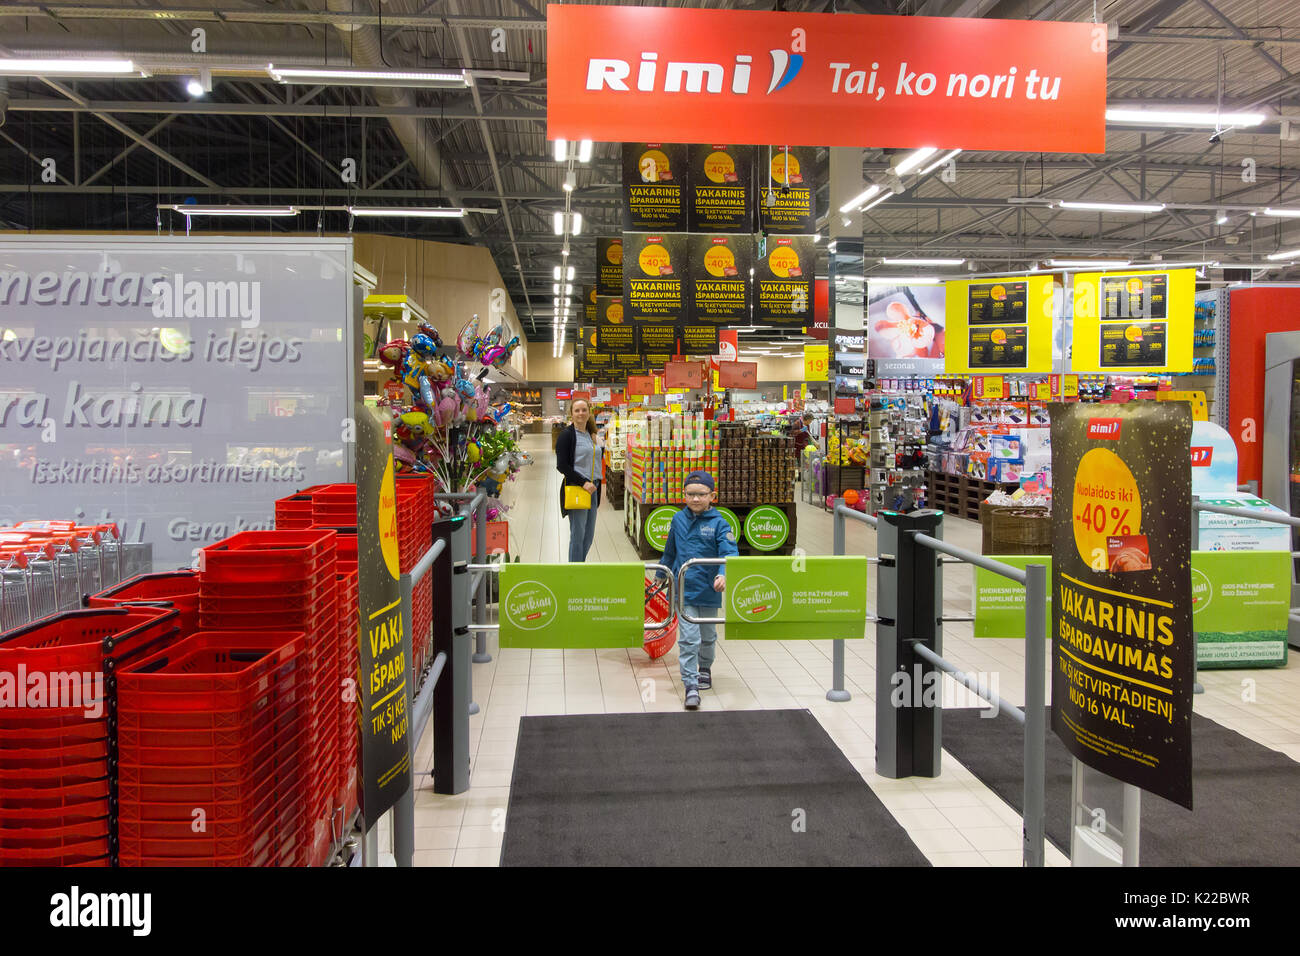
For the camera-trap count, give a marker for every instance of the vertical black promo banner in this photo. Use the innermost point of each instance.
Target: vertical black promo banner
(588, 305)
(787, 195)
(1123, 651)
(384, 635)
(720, 279)
(698, 338)
(656, 265)
(654, 187)
(614, 331)
(783, 283)
(609, 265)
(722, 189)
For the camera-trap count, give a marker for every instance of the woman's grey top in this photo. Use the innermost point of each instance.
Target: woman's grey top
(584, 454)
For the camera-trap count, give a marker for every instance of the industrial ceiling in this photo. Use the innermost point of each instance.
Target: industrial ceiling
(122, 147)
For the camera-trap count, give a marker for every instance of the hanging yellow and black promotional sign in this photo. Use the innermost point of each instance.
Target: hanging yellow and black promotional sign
(614, 332)
(657, 339)
(787, 196)
(1000, 324)
(783, 285)
(698, 339)
(588, 305)
(655, 276)
(1123, 649)
(609, 265)
(721, 189)
(1133, 322)
(655, 177)
(629, 362)
(720, 278)
(381, 627)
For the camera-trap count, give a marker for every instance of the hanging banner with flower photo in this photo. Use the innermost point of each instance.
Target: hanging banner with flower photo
(905, 327)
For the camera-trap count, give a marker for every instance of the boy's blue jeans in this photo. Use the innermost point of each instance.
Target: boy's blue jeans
(696, 643)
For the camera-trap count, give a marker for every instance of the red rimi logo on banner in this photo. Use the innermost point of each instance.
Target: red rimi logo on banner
(1103, 428)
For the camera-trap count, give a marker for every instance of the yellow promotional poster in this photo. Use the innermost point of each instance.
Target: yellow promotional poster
(785, 392)
(1042, 391)
(815, 359)
(999, 325)
(989, 387)
(1133, 322)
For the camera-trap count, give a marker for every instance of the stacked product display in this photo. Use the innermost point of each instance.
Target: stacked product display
(897, 428)
(754, 469)
(663, 449)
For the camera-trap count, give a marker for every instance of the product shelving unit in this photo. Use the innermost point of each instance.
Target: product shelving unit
(960, 495)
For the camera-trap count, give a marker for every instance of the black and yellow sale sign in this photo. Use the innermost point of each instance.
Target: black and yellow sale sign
(654, 276)
(609, 265)
(783, 282)
(589, 305)
(1123, 649)
(720, 278)
(787, 195)
(698, 338)
(721, 189)
(655, 177)
(1133, 322)
(1000, 324)
(384, 631)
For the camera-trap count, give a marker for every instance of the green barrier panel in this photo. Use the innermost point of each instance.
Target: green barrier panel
(793, 598)
(1000, 602)
(1240, 603)
(572, 606)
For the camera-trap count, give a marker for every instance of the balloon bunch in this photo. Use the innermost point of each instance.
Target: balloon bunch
(449, 427)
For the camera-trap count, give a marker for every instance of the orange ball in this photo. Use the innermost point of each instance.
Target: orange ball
(850, 497)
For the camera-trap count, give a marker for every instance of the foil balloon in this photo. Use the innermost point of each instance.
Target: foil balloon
(462, 383)
(427, 329)
(499, 413)
(488, 342)
(468, 334)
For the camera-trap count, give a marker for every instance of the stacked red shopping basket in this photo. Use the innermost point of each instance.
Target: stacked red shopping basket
(178, 589)
(415, 513)
(57, 751)
(287, 581)
(213, 752)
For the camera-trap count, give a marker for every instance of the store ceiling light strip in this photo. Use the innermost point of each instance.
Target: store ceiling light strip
(902, 280)
(347, 76)
(1089, 263)
(1281, 213)
(914, 159)
(1134, 207)
(923, 262)
(14, 66)
(1163, 117)
(194, 209)
(951, 154)
(1288, 254)
(859, 199)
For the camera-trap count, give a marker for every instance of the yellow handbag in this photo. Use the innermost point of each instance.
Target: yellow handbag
(576, 498)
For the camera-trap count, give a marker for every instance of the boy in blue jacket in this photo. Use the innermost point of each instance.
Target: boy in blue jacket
(699, 531)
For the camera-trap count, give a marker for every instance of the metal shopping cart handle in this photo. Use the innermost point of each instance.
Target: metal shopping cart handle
(681, 591)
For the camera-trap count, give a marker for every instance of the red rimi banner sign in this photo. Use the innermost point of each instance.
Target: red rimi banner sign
(677, 75)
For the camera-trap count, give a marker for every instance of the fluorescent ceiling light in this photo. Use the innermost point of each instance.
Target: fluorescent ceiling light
(569, 275)
(1221, 217)
(555, 288)
(924, 262)
(557, 223)
(1138, 207)
(561, 150)
(876, 202)
(568, 289)
(556, 273)
(1089, 263)
(417, 212)
(577, 222)
(584, 151)
(1253, 266)
(68, 67)
(194, 88)
(1288, 254)
(859, 199)
(570, 180)
(1164, 117)
(915, 159)
(1282, 213)
(902, 280)
(349, 76)
(940, 161)
(194, 209)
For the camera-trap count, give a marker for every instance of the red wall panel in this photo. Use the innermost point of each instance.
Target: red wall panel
(1255, 313)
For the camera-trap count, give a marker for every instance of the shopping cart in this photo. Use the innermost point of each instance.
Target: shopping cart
(658, 608)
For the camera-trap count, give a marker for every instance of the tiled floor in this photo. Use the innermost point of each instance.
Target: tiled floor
(954, 819)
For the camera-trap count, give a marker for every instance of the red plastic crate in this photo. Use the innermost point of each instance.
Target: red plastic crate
(54, 816)
(280, 753)
(214, 664)
(219, 823)
(268, 555)
(179, 589)
(84, 731)
(84, 640)
(307, 588)
(49, 838)
(70, 774)
(72, 854)
(53, 758)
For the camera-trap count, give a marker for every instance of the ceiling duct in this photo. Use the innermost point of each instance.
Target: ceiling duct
(363, 42)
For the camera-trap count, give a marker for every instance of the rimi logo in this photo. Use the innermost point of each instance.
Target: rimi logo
(610, 73)
(1104, 428)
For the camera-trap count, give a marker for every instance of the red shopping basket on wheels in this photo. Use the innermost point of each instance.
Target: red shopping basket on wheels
(658, 608)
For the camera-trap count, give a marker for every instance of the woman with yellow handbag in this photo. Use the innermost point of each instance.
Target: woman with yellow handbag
(577, 457)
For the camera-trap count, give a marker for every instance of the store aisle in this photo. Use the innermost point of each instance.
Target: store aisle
(954, 819)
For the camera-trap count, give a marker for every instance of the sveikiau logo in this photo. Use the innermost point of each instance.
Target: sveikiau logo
(531, 605)
(756, 599)
(656, 526)
(766, 528)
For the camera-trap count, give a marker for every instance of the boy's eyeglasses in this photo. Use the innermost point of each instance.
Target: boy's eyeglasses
(698, 494)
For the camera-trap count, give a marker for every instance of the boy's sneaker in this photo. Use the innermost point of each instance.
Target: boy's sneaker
(692, 698)
(706, 679)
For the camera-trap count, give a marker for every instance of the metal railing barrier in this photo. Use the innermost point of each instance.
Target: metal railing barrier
(839, 516)
(909, 739)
